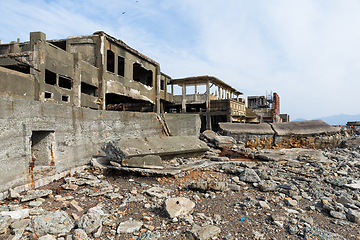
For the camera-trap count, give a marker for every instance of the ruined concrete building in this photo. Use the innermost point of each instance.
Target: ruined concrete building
(56, 95)
(268, 108)
(219, 103)
(95, 71)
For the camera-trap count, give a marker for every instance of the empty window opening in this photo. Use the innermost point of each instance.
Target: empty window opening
(60, 44)
(19, 68)
(89, 90)
(65, 98)
(50, 77)
(121, 66)
(65, 82)
(48, 95)
(142, 75)
(162, 85)
(42, 148)
(110, 61)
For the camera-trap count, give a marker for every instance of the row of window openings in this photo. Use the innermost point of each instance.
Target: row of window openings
(65, 82)
(50, 95)
(140, 74)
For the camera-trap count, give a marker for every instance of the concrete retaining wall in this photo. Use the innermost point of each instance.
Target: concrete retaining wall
(307, 134)
(41, 139)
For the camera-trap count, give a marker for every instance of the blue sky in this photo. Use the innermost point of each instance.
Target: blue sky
(308, 51)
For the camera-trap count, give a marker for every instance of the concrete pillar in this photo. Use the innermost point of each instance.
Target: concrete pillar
(183, 102)
(219, 90)
(207, 104)
(37, 44)
(157, 89)
(196, 92)
(102, 72)
(76, 91)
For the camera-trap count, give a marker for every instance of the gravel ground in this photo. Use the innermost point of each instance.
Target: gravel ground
(296, 206)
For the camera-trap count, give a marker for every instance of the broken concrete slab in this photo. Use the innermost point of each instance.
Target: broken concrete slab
(148, 161)
(167, 171)
(309, 134)
(165, 147)
(311, 127)
(224, 141)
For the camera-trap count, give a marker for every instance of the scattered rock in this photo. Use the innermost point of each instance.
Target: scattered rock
(203, 233)
(178, 206)
(57, 222)
(249, 175)
(129, 226)
(90, 222)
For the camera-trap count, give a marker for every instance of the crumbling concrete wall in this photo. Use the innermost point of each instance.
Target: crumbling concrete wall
(40, 139)
(308, 134)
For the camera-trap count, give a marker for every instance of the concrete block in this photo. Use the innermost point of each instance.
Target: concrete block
(148, 161)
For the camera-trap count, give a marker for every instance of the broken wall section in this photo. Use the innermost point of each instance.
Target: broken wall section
(303, 134)
(42, 139)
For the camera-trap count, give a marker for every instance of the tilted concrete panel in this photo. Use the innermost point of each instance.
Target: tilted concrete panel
(165, 147)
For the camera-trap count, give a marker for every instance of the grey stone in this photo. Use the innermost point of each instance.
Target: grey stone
(35, 203)
(203, 233)
(157, 192)
(264, 205)
(337, 215)
(214, 186)
(308, 220)
(90, 221)
(12, 194)
(353, 216)
(149, 236)
(17, 214)
(5, 222)
(318, 233)
(178, 206)
(219, 159)
(234, 187)
(249, 175)
(129, 226)
(47, 237)
(268, 186)
(57, 222)
(277, 217)
(79, 234)
(292, 202)
(20, 224)
(36, 194)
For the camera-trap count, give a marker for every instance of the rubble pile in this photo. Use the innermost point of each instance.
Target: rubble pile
(273, 194)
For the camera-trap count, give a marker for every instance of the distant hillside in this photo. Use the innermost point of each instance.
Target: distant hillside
(340, 119)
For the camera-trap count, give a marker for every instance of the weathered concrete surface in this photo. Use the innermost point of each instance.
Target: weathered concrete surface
(165, 147)
(71, 136)
(148, 161)
(250, 134)
(308, 134)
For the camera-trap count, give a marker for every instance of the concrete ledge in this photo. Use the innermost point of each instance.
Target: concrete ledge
(304, 128)
(258, 129)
